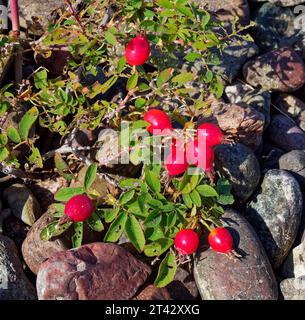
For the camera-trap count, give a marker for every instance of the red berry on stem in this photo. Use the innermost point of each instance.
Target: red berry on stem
(158, 120)
(211, 133)
(200, 154)
(220, 240)
(79, 208)
(175, 162)
(137, 51)
(186, 241)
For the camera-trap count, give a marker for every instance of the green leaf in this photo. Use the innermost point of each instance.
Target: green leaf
(207, 191)
(110, 38)
(59, 207)
(140, 103)
(192, 56)
(90, 176)
(158, 247)
(223, 186)
(182, 78)
(130, 183)
(152, 180)
(121, 64)
(66, 193)
(4, 106)
(153, 219)
(165, 4)
(3, 153)
(132, 81)
(77, 237)
(27, 122)
(186, 11)
(164, 76)
(205, 19)
(35, 158)
(3, 139)
(126, 197)
(195, 197)
(95, 222)
(13, 135)
(116, 229)
(187, 200)
(109, 214)
(225, 199)
(41, 79)
(98, 88)
(54, 229)
(135, 233)
(139, 124)
(167, 271)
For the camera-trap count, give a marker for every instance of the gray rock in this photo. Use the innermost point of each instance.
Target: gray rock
(227, 10)
(183, 287)
(239, 164)
(22, 203)
(233, 57)
(294, 265)
(220, 277)
(255, 98)
(270, 157)
(284, 3)
(275, 213)
(294, 161)
(293, 107)
(274, 26)
(278, 70)
(285, 134)
(13, 283)
(36, 14)
(293, 289)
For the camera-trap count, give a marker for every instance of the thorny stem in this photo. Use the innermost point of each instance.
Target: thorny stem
(15, 18)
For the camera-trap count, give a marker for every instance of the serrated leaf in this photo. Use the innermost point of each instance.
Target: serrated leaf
(135, 233)
(66, 193)
(116, 229)
(95, 222)
(90, 175)
(158, 247)
(207, 191)
(132, 81)
(195, 197)
(13, 135)
(182, 78)
(192, 56)
(77, 237)
(167, 271)
(27, 122)
(126, 197)
(164, 76)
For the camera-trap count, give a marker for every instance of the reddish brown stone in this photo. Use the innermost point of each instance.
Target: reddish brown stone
(96, 271)
(279, 70)
(151, 292)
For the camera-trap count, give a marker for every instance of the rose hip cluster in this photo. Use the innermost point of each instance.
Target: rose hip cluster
(198, 152)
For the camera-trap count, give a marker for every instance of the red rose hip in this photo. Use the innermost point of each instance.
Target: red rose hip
(137, 51)
(200, 155)
(175, 162)
(186, 241)
(211, 133)
(79, 208)
(220, 240)
(158, 120)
